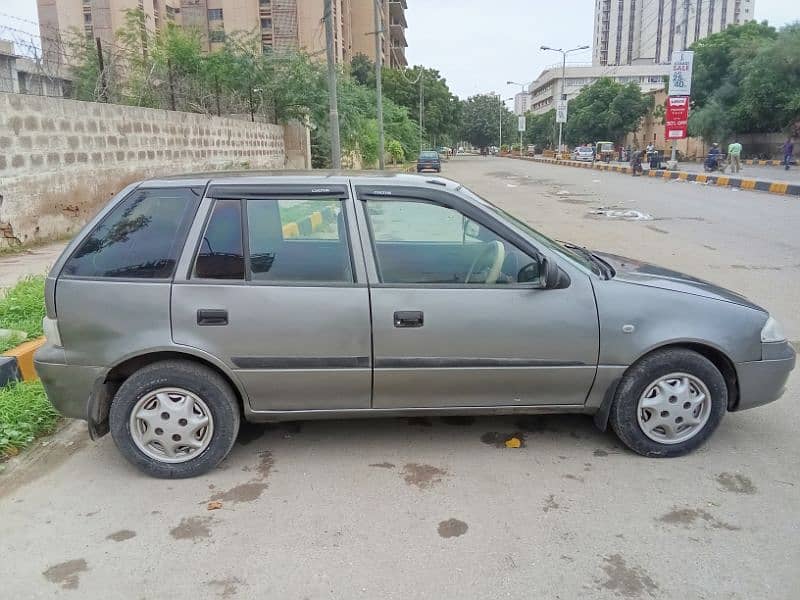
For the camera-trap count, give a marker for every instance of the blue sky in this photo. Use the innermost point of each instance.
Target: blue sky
(477, 45)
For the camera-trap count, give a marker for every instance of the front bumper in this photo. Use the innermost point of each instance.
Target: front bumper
(68, 387)
(764, 381)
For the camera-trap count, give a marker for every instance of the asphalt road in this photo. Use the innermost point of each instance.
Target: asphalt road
(432, 509)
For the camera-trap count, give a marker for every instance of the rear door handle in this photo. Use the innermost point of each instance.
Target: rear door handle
(212, 316)
(409, 318)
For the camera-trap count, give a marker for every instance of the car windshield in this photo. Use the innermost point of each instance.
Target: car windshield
(428, 155)
(553, 245)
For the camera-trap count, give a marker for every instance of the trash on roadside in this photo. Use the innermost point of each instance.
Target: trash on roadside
(214, 505)
(511, 185)
(626, 215)
(513, 442)
(562, 193)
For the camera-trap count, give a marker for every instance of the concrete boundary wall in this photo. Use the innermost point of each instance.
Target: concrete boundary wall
(61, 160)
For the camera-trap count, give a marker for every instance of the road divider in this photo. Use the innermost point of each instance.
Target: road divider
(761, 185)
(17, 363)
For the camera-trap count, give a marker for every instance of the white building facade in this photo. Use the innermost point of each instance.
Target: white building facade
(544, 92)
(522, 103)
(630, 32)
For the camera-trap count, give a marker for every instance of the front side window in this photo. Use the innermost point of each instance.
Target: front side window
(140, 238)
(419, 242)
(298, 241)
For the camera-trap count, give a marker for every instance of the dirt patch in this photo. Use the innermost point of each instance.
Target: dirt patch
(688, 516)
(265, 464)
(599, 452)
(498, 440)
(244, 492)
(66, 574)
(550, 504)
(383, 465)
(422, 476)
(630, 582)
(452, 528)
(459, 421)
(121, 535)
(192, 528)
(738, 484)
(225, 588)
(575, 477)
(657, 229)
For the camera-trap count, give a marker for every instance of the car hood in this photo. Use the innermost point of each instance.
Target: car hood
(641, 273)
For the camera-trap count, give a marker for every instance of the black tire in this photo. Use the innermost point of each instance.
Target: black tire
(206, 384)
(637, 378)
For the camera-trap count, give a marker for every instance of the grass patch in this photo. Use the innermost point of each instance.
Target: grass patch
(22, 308)
(25, 414)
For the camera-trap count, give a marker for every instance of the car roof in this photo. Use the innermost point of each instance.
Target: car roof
(284, 177)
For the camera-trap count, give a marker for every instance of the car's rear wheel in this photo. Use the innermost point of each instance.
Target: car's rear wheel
(669, 403)
(174, 419)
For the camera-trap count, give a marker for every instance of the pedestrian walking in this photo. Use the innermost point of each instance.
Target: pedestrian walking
(788, 152)
(734, 155)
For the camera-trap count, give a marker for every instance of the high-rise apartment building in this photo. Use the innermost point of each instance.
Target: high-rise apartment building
(630, 32)
(279, 24)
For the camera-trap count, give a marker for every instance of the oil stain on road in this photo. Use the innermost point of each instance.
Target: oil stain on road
(422, 476)
(66, 574)
(452, 528)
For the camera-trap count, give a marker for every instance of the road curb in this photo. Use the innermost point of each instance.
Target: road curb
(17, 363)
(773, 187)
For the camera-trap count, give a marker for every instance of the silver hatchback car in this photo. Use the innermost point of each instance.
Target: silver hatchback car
(190, 303)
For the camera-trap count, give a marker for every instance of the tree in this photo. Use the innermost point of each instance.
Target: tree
(441, 114)
(395, 150)
(540, 129)
(480, 120)
(605, 110)
(362, 69)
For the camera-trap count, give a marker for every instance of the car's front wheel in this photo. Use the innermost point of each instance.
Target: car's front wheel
(174, 419)
(669, 403)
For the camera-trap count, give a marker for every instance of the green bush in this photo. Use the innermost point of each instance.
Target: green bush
(22, 308)
(25, 414)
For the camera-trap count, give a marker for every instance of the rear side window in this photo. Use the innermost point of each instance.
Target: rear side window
(298, 241)
(140, 238)
(221, 254)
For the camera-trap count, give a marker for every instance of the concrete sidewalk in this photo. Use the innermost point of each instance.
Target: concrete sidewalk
(773, 186)
(31, 261)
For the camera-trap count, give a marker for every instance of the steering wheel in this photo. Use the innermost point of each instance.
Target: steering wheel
(498, 251)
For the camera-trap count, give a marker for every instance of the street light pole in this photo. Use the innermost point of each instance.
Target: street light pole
(563, 94)
(522, 87)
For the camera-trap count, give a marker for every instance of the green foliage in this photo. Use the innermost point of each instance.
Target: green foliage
(22, 308)
(362, 69)
(746, 80)
(25, 414)
(541, 129)
(395, 150)
(605, 110)
(480, 120)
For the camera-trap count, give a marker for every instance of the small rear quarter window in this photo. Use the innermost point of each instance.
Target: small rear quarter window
(140, 238)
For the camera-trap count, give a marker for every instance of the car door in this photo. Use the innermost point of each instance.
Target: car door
(453, 325)
(273, 289)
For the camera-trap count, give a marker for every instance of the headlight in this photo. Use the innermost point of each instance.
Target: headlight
(772, 331)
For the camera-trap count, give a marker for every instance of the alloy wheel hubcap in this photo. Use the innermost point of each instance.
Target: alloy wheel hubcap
(674, 408)
(171, 425)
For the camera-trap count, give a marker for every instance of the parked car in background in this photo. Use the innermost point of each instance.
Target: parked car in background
(583, 153)
(429, 161)
(190, 303)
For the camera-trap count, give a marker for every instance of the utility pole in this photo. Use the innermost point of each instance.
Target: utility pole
(563, 94)
(103, 96)
(421, 106)
(336, 149)
(378, 77)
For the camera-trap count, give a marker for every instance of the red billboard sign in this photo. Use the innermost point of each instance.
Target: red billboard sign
(677, 117)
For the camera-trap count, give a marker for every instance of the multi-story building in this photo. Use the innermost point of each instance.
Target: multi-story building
(279, 24)
(545, 91)
(628, 32)
(522, 103)
(60, 19)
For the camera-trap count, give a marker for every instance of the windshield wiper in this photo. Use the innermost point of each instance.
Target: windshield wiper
(605, 269)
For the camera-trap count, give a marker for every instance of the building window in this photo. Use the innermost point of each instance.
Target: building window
(264, 3)
(266, 23)
(87, 18)
(216, 36)
(215, 14)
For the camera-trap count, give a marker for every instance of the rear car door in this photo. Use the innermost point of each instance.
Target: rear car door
(452, 324)
(273, 288)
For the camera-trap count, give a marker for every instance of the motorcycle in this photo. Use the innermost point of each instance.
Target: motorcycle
(714, 162)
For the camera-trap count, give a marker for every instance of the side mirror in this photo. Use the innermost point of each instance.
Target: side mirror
(544, 271)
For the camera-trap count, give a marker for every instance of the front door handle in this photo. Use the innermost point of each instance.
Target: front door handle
(409, 318)
(212, 316)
